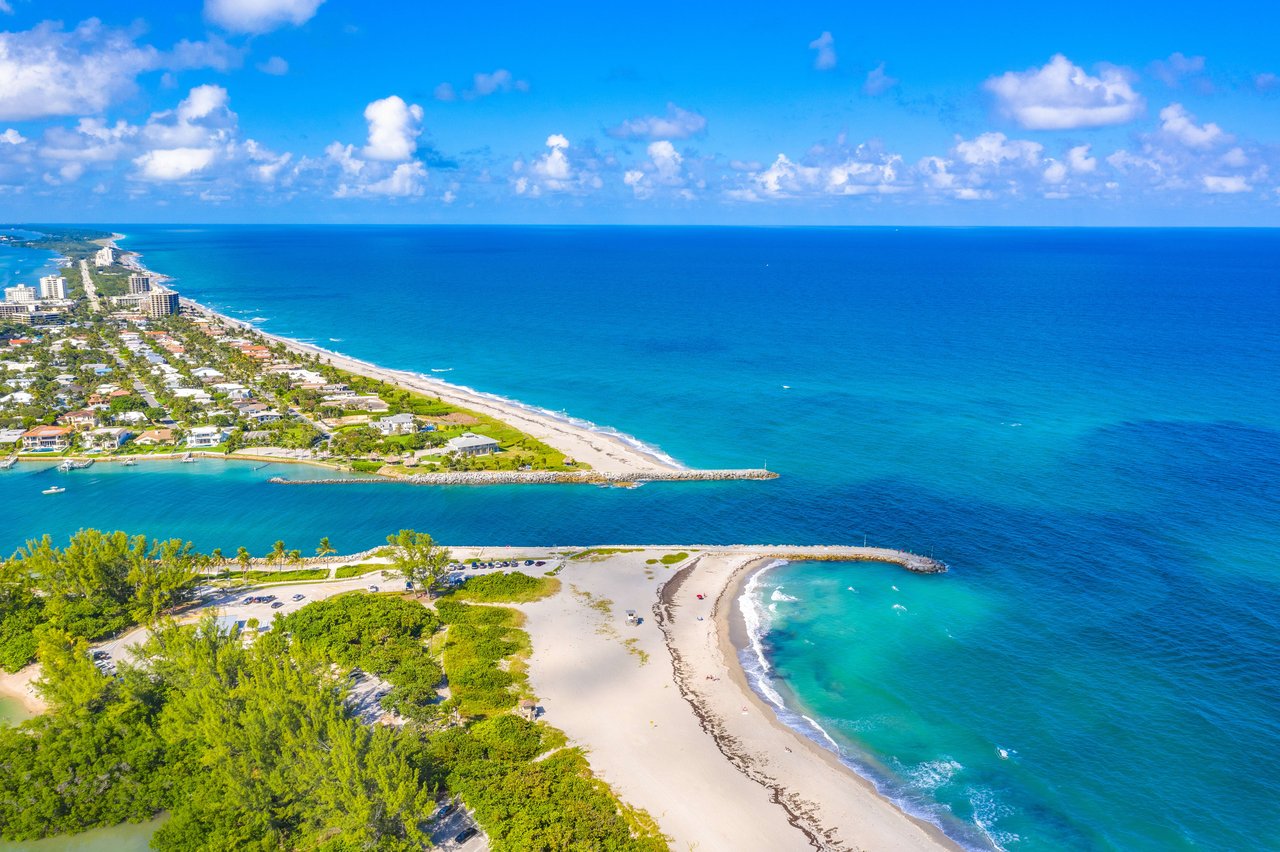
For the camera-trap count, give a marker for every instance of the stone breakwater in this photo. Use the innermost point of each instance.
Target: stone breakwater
(544, 477)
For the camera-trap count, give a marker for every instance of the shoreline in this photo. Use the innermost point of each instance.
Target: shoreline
(734, 639)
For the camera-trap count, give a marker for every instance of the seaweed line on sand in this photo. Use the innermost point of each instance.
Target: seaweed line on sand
(800, 813)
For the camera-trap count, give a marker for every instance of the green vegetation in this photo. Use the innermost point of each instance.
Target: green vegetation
(100, 584)
(597, 554)
(515, 587)
(283, 576)
(366, 466)
(254, 745)
(379, 634)
(668, 559)
(418, 559)
(357, 570)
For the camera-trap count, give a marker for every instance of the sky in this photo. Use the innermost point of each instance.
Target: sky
(845, 113)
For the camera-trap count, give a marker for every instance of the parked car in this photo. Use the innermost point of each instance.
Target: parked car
(248, 601)
(373, 588)
(466, 834)
(299, 596)
(277, 604)
(101, 655)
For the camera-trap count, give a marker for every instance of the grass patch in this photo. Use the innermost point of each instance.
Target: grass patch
(668, 559)
(479, 638)
(358, 570)
(515, 587)
(596, 554)
(366, 466)
(633, 648)
(285, 576)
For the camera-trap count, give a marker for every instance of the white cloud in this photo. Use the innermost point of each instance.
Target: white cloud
(259, 16)
(344, 157)
(554, 166)
(499, 81)
(878, 82)
(1055, 172)
(1061, 96)
(1080, 161)
(1171, 71)
(666, 161)
(394, 127)
(174, 163)
(1225, 184)
(993, 149)
(276, 66)
(12, 137)
(46, 71)
(406, 179)
(676, 124)
(825, 45)
(214, 53)
(1179, 124)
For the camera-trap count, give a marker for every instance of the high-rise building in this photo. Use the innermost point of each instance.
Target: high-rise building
(20, 293)
(162, 303)
(105, 256)
(139, 283)
(53, 287)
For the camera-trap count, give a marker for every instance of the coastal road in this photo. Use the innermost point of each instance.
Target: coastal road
(89, 290)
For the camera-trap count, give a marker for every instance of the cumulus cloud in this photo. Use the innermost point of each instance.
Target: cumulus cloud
(394, 127)
(993, 149)
(838, 170)
(276, 66)
(1177, 123)
(1061, 95)
(174, 163)
(259, 16)
(557, 171)
(677, 123)
(12, 137)
(406, 179)
(825, 46)
(878, 82)
(1225, 184)
(1080, 161)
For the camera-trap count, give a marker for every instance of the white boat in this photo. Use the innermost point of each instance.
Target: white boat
(57, 489)
(129, 462)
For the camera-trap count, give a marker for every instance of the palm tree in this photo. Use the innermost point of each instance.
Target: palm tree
(325, 548)
(217, 556)
(242, 556)
(295, 557)
(276, 556)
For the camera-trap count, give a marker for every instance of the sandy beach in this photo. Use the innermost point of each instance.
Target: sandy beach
(667, 718)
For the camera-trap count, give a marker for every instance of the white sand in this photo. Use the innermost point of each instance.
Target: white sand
(648, 741)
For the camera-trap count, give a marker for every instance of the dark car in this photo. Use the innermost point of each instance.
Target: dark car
(248, 601)
(101, 655)
(466, 834)
(277, 604)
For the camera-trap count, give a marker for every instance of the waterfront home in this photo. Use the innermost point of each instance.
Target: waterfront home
(46, 439)
(82, 419)
(154, 437)
(203, 437)
(107, 438)
(396, 424)
(471, 444)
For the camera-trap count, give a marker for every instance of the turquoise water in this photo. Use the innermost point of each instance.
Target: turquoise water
(1084, 423)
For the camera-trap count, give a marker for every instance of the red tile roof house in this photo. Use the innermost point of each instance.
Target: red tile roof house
(82, 419)
(46, 439)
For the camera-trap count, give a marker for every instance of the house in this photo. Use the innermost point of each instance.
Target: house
(206, 374)
(206, 436)
(264, 416)
(82, 419)
(396, 424)
(360, 403)
(107, 438)
(133, 417)
(18, 398)
(152, 437)
(10, 436)
(46, 439)
(471, 444)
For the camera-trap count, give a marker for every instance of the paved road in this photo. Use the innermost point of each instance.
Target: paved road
(89, 289)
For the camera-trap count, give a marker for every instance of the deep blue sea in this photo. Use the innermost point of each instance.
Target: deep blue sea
(1084, 423)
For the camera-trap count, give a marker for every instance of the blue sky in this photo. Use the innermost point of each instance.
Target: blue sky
(744, 113)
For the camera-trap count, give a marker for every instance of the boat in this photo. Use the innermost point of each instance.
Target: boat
(72, 464)
(57, 489)
(188, 459)
(129, 462)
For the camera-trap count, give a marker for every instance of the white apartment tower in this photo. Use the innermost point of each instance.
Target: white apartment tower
(21, 293)
(53, 287)
(105, 256)
(139, 284)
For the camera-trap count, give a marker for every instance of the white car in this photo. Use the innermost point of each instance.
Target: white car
(373, 588)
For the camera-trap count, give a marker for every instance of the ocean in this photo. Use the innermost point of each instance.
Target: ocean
(1085, 424)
